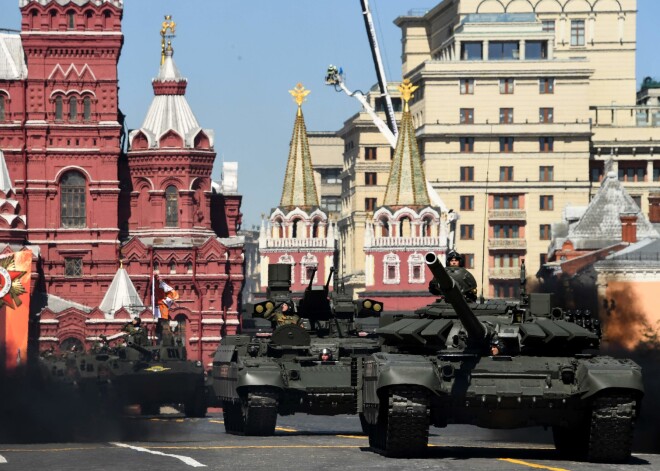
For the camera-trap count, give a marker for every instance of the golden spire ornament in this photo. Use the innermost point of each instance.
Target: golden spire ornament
(299, 95)
(407, 89)
(165, 37)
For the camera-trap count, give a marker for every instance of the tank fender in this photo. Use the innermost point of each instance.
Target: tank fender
(260, 377)
(599, 374)
(224, 354)
(396, 375)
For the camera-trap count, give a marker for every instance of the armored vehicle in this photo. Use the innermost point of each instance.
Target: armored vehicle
(311, 363)
(156, 375)
(499, 365)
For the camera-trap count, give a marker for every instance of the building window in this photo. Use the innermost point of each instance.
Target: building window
(73, 211)
(546, 173)
(467, 231)
(467, 115)
(507, 260)
(416, 268)
(171, 207)
(331, 203)
(548, 26)
(506, 144)
(73, 109)
(172, 268)
(391, 274)
(632, 172)
(544, 232)
(467, 174)
(59, 106)
(467, 203)
(546, 86)
(467, 86)
(189, 267)
(472, 51)
(506, 290)
(71, 20)
(503, 50)
(3, 109)
(577, 33)
(87, 108)
(469, 260)
(546, 115)
(73, 267)
(596, 171)
(506, 86)
(370, 153)
(506, 231)
(506, 115)
(308, 264)
(656, 173)
(546, 144)
(536, 50)
(637, 199)
(506, 174)
(330, 176)
(467, 144)
(370, 178)
(369, 204)
(547, 202)
(427, 223)
(506, 202)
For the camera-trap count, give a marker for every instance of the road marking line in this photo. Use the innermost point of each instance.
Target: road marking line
(359, 437)
(2, 459)
(217, 421)
(234, 447)
(46, 450)
(531, 465)
(186, 459)
(285, 429)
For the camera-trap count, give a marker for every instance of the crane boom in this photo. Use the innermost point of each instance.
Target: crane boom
(378, 63)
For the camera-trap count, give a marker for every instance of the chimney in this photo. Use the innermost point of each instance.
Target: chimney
(628, 227)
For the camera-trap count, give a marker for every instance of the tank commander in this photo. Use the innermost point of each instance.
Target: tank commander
(282, 315)
(326, 355)
(136, 333)
(456, 269)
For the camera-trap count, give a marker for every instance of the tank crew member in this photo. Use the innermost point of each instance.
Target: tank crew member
(137, 334)
(283, 314)
(456, 269)
(326, 354)
(496, 346)
(101, 345)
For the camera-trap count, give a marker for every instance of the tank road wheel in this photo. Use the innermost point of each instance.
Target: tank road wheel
(402, 428)
(611, 430)
(605, 437)
(233, 415)
(260, 412)
(196, 405)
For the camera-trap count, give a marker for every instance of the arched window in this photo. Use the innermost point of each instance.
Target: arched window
(33, 19)
(3, 107)
(87, 108)
(391, 272)
(172, 267)
(405, 227)
(189, 267)
(426, 227)
(295, 233)
(106, 19)
(53, 19)
(89, 20)
(156, 267)
(73, 109)
(58, 108)
(71, 19)
(315, 229)
(171, 207)
(385, 227)
(73, 212)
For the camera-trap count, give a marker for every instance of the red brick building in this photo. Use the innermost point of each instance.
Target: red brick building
(87, 204)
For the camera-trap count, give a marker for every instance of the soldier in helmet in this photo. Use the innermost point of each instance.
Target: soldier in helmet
(136, 333)
(456, 269)
(326, 354)
(282, 315)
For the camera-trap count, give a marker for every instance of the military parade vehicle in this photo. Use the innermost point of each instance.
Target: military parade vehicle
(499, 365)
(311, 363)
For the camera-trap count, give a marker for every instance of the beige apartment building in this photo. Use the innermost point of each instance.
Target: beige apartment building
(521, 104)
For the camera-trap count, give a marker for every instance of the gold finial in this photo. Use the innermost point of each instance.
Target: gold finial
(299, 94)
(121, 263)
(407, 89)
(168, 25)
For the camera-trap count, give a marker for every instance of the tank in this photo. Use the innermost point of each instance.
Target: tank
(312, 365)
(499, 365)
(157, 375)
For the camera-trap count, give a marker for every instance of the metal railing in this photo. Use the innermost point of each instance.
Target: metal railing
(497, 244)
(507, 214)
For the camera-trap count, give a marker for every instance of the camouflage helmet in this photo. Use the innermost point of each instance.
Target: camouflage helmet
(454, 255)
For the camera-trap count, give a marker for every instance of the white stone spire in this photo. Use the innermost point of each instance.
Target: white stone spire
(121, 294)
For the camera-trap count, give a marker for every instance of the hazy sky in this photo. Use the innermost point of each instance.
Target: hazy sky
(242, 56)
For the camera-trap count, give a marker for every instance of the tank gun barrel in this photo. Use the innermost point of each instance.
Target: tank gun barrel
(311, 277)
(453, 295)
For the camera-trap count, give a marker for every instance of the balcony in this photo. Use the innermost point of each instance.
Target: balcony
(298, 243)
(406, 242)
(507, 244)
(507, 215)
(501, 273)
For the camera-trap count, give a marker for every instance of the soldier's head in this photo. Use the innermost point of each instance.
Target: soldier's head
(136, 321)
(326, 355)
(455, 259)
(287, 307)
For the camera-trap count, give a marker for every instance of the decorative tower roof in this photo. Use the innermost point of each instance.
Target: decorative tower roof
(407, 183)
(121, 294)
(299, 188)
(169, 111)
(12, 58)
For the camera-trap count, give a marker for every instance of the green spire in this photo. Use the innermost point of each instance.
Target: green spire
(299, 185)
(407, 183)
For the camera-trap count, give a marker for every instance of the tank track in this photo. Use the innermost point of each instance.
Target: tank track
(254, 415)
(611, 430)
(402, 428)
(233, 417)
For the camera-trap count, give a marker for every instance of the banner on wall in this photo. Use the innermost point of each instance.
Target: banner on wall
(15, 274)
